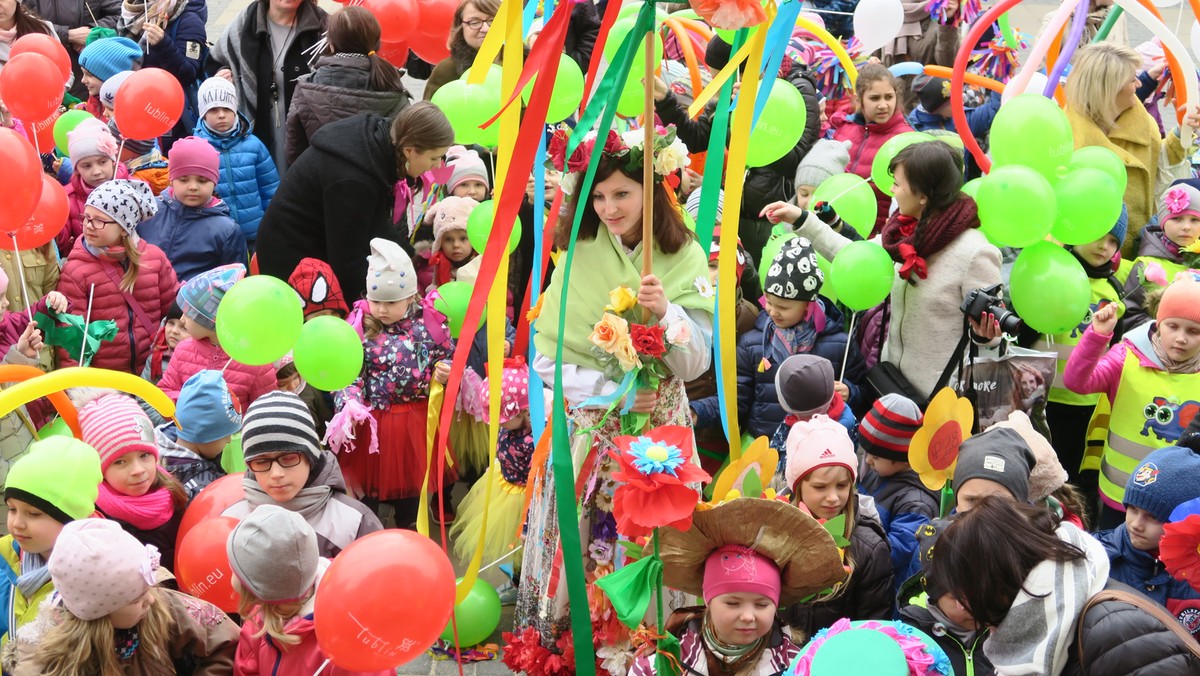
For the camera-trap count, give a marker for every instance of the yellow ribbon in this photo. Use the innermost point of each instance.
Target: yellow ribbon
(490, 49)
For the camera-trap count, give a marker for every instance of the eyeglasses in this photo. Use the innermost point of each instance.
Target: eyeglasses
(97, 223)
(285, 461)
(476, 24)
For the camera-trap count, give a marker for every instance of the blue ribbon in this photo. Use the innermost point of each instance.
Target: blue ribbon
(537, 404)
(624, 390)
(778, 36)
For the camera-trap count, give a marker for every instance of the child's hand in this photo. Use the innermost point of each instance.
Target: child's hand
(30, 342)
(652, 297)
(154, 32)
(1104, 320)
(1192, 118)
(225, 73)
(507, 349)
(782, 212)
(441, 372)
(57, 302)
(842, 389)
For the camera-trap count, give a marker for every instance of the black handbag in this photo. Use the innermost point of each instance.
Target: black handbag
(886, 378)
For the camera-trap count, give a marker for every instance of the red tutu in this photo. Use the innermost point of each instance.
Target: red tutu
(397, 469)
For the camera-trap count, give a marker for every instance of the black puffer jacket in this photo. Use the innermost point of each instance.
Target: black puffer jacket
(966, 658)
(1119, 638)
(337, 89)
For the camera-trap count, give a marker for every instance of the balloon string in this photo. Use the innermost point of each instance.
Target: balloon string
(502, 558)
(86, 320)
(846, 353)
(120, 148)
(21, 271)
(322, 667)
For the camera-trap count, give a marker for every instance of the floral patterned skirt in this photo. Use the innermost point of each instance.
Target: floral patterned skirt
(542, 598)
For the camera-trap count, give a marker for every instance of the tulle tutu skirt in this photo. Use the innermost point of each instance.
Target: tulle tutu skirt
(397, 470)
(469, 439)
(504, 519)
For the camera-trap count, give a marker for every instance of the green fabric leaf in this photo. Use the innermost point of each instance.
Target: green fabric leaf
(633, 551)
(630, 588)
(70, 336)
(667, 656)
(751, 485)
(837, 528)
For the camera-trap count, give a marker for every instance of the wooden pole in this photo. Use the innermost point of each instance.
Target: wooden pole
(648, 164)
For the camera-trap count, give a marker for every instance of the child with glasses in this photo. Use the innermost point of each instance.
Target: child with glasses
(286, 467)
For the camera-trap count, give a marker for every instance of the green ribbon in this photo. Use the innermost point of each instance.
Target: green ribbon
(630, 588)
(1114, 13)
(70, 337)
(706, 217)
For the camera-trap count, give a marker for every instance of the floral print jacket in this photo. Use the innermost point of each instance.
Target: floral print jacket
(398, 363)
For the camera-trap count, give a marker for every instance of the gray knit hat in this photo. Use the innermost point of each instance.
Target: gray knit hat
(135, 146)
(390, 274)
(279, 422)
(273, 552)
(794, 274)
(998, 454)
(804, 384)
(126, 202)
(826, 158)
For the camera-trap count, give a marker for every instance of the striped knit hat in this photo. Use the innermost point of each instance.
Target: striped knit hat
(114, 425)
(887, 429)
(279, 422)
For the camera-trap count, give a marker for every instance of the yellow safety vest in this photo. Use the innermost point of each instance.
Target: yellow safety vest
(1151, 410)
(1063, 344)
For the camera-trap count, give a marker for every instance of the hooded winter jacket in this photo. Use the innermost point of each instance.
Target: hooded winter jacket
(192, 356)
(1144, 572)
(248, 177)
(967, 657)
(866, 139)
(1119, 638)
(904, 505)
(195, 239)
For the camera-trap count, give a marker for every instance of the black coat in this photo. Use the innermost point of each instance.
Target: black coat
(335, 199)
(1119, 638)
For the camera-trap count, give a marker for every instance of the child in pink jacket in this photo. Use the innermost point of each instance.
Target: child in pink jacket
(199, 298)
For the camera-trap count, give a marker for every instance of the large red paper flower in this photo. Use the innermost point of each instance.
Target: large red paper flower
(648, 340)
(1179, 550)
(654, 470)
(730, 14)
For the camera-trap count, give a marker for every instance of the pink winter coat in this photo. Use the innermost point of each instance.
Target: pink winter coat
(1094, 367)
(153, 291)
(192, 356)
(77, 194)
(262, 657)
(867, 139)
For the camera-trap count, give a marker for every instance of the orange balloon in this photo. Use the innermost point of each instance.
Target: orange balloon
(210, 502)
(31, 86)
(358, 626)
(41, 134)
(395, 53)
(431, 48)
(398, 19)
(46, 45)
(49, 217)
(202, 564)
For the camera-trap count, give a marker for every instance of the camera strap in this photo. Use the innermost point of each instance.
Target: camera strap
(955, 362)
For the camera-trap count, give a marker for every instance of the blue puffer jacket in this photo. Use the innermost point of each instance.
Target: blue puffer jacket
(904, 505)
(248, 175)
(979, 121)
(195, 239)
(1145, 573)
(759, 411)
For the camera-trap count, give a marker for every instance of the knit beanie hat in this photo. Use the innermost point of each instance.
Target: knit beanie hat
(816, 443)
(1121, 227)
(138, 148)
(279, 422)
(216, 92)
(1182, 198)
(794, 274)
(108, 91)
(125, 201)
(273, 552)
(1048, 474)
(467, 165)
(804, 385)
(888, 428)
(98, 568)
(90, 138)
(449, 214)
(207, 409)
(692, 206)
(200, 295)
(318, 287)
(932, 92)
(105, 58)
(733, 569)
(390, 274)
(998, 454)
(1163, 481)
(59, 475)
(193, 156)
(825, 159)
(114, 425)
(1181, 300)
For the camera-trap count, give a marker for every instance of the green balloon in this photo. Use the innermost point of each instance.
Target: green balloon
(859, 651)
(1099, 157)
(259, 320)
(478, 615)
(1031, 130)
(65, 124)
(616, 35)
(1088, 206)
(633, 98)
(971, 187)
(770, 250)
(328, 353)
(862, 275)
(687, 14)
(779, 126)
(827, 290)
(454, 99)
(631, 10)
(879, 167)
(1016, 206)
(1046, 266)
(567, 93)
(452, 300)
(55, 428)
(479, 227)
(851, 197)
(688, 220)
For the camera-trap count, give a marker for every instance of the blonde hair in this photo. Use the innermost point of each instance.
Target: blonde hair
(272, 617)
(851, 513)
(76, 647)
(135, 262)
(1098, 73)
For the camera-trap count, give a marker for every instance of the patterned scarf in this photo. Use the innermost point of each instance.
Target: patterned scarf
(910, 242)
(144, 512)
(134, 14)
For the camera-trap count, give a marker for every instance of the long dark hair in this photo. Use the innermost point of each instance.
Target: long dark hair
(985, 555)
(354, 30)
(670, 233)
(27, 21)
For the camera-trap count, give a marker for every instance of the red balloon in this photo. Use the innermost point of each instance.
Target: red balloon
(395, 53)
(437, 16)
(22, 184)
(49, 216)
(358, 626)
(32, 86)
(202, 564)
(42, 133)
(148, 104)
(210, 502)
(46, 45)
(431, 48)
(397, 18)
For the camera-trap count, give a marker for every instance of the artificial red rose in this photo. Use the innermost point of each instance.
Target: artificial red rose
(557, 152)
(613, 145)
(648, 340)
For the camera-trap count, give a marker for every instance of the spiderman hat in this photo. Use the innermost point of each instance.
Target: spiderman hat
(318, 287)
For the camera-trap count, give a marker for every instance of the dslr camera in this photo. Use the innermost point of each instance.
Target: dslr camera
(988, 301)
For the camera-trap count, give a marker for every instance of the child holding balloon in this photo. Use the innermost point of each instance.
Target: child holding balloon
(110, 618)
(276, 571)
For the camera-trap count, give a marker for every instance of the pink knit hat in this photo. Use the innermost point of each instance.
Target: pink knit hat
(451, 213)
(1181, 300)
(98, 568)
(115, 425)
(816, 443)
(193, 156)
(734, 568)
(467, 165)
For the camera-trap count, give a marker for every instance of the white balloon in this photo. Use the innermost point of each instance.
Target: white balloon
(1165, 3)
(1195, 34)
(1037, 85)
(877, 22)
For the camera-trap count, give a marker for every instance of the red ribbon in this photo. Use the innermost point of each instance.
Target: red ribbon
(912, 262)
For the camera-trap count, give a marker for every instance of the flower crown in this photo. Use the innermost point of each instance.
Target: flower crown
(670, 154)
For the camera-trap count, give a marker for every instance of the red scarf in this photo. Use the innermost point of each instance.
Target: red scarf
(910, 241)
(145, 512)
(836, 406)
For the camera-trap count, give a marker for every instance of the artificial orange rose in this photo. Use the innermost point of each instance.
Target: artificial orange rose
(609, 332)
(626, 354)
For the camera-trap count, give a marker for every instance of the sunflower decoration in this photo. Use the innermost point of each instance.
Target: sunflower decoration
(1179, 549)
(747, 477)
(654, 471)
(933, 452)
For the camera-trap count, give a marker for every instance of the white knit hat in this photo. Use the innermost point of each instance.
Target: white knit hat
(216, 92)
(98, 568)
(826, 158)
(390, 273)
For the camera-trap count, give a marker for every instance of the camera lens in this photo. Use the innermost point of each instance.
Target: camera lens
(1010, 323)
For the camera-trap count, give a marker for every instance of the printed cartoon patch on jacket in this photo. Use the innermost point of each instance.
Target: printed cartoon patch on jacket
(1168, 418)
